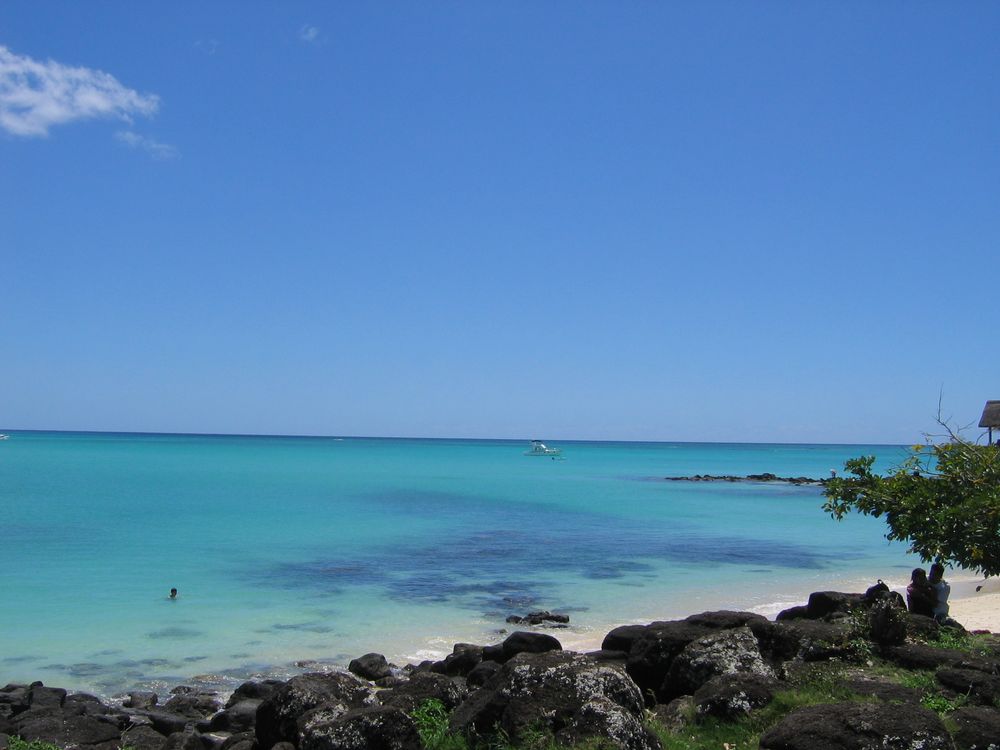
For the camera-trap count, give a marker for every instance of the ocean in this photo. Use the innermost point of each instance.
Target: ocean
(291, 554)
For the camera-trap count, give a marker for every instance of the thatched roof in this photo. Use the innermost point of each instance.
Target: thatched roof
(991, 415)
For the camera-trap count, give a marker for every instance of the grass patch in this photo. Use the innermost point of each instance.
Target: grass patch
(431, 718)
(811, 687)
(924, 682)
(16, 743)
(959, 641)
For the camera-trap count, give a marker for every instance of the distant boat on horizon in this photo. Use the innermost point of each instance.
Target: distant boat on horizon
(538, 448)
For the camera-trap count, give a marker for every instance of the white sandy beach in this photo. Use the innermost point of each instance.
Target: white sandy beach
(976, 610)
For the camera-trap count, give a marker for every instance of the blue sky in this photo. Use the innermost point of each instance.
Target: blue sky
(597, 220)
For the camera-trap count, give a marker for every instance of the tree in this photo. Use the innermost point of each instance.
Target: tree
(944, 499)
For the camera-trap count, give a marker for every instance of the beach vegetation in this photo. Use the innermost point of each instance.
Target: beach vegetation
(943, 499)
(814, 685)
(16, 743)
(960, 640)
(431, 719)
(927, 685)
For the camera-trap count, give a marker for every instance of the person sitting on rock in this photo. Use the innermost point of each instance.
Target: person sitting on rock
(920, 596)
(941, 591)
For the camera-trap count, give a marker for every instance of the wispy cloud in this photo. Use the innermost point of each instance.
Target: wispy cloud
(309, 34)
(151, 146)
(35, 95)
(208, 46)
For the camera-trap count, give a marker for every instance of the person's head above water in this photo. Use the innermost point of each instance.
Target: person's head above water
(173, 593)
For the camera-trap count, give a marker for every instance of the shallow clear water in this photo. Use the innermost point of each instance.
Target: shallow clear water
(291, 549)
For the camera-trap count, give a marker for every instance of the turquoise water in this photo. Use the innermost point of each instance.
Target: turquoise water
(293, 549)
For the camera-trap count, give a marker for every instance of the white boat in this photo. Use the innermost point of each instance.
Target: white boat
(538, 448)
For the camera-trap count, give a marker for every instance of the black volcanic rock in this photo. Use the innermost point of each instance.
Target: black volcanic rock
(570, 695)
(733, 696)
(653, 653)
(538, 618)
(721, 653)
(276, 716)
(80, 731)
(978, 728)
(422, 687)
(261, 690)
(622, 637)
(523, 642)
(370, 667)
(858, 726)
(372, 728)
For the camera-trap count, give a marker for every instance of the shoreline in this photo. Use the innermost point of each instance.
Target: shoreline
(648, 683)
(623, 693)
(974, 610)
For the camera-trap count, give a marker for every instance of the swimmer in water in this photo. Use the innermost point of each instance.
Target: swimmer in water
(173, 593)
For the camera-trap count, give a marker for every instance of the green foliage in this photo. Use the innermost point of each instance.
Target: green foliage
(431, 718)
(942, 705)
(943, 499)
(824, 685)
(16, 743)
(959, 640)
(858, 646)
(924, 682)
(920, 679)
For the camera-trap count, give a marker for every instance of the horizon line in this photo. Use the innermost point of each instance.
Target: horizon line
(10, 430)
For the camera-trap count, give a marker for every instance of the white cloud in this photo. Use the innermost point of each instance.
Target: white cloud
(34, 95)
(151, 146)
(309, 34)
(208, 46)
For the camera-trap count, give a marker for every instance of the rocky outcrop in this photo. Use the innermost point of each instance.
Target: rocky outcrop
(653, 653)
(463, 659)
(923, 656)
(370, 667)
(978, 728)
(521, 642)
(277, 716)
(569, 695)
(858, 726)
(421, 687)
(734, 696)
(381, 727)
(193, 706)
(765, 477)
(980, 687)
(538, 618)
(623, 637)
(723, 653)
(236, 717)
(808, 640)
